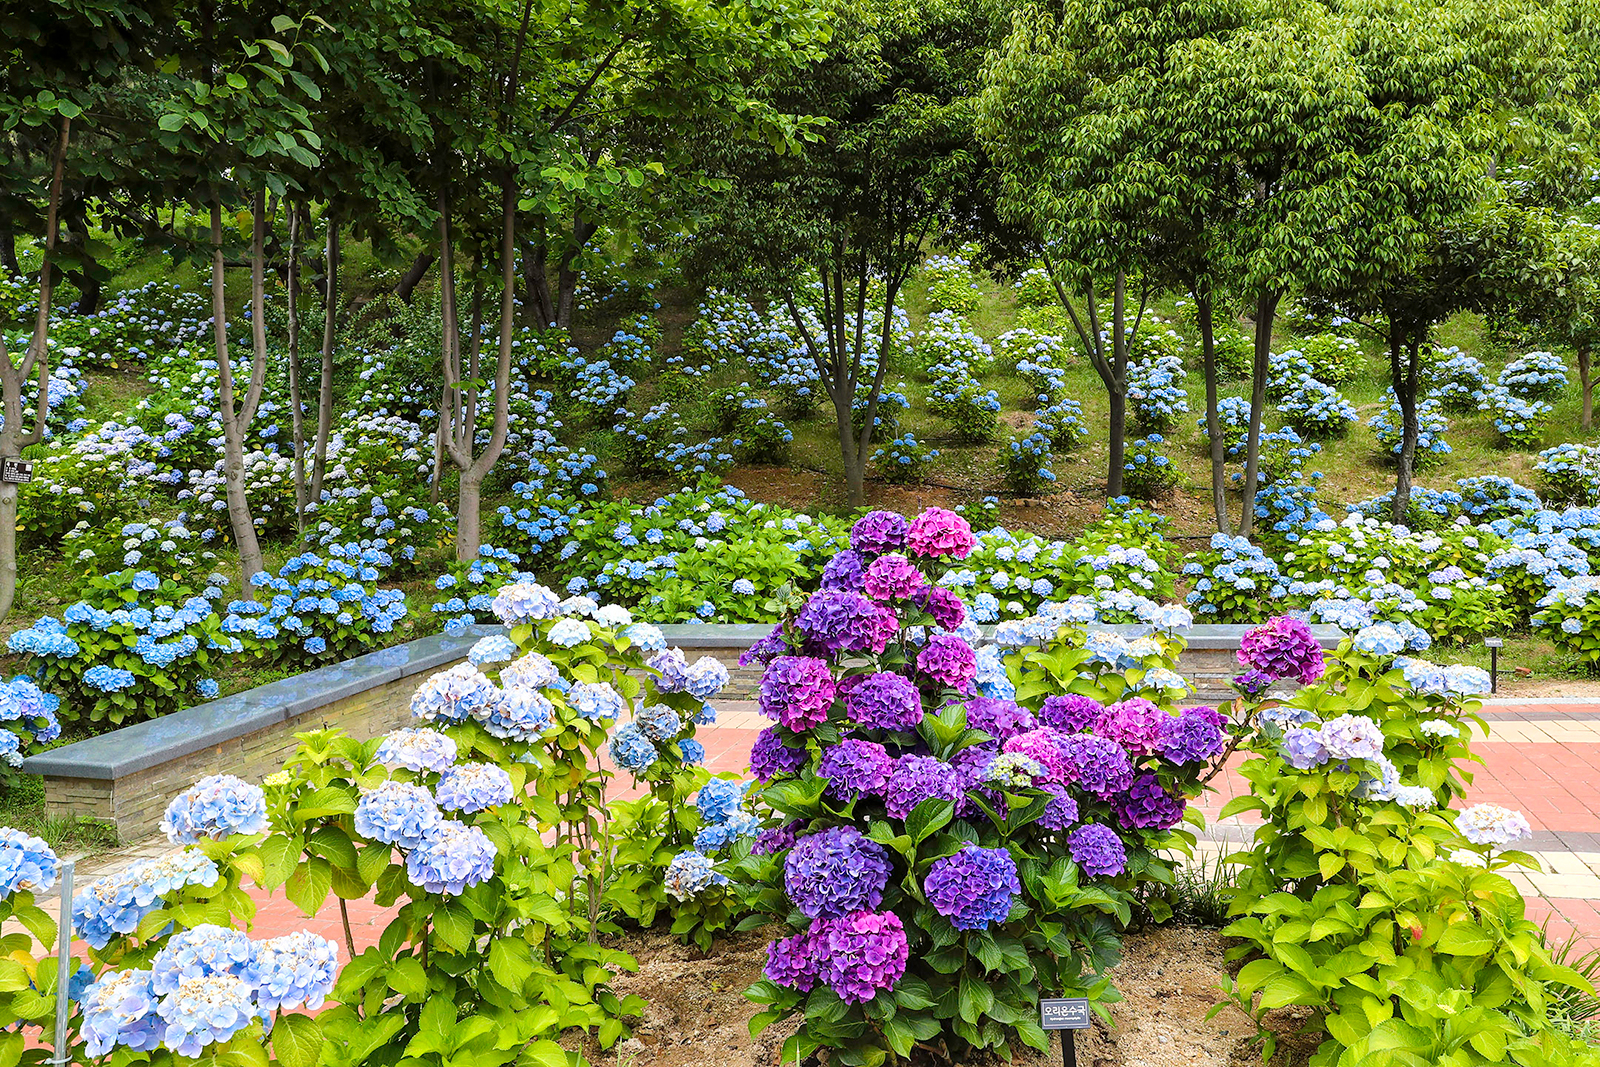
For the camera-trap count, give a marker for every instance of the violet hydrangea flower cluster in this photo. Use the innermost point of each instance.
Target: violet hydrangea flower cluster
(1282, 648)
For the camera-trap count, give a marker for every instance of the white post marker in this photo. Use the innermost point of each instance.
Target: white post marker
(1494, 644)
(63, 1055)
(1065, 1014)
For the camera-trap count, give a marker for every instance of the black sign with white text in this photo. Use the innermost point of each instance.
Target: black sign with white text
(1064, 1013)
(15, 470)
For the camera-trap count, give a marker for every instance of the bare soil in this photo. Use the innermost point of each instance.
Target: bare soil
(698, 1016)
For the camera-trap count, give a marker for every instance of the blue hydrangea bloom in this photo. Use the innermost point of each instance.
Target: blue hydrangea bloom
(216, 806)
(452, 858)
(631, 750)
(397, 813)
(471, 787)
(27, 863)
(719, 798)
(295, 970)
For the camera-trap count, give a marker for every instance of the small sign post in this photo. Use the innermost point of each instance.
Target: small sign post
(1494, 644)
(15, 470)
(1065, 1014)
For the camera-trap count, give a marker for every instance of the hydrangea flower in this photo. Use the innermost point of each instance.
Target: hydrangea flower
(27, 863)
(791, 964)
(1070, 713)
(530, 671)
(915, 779)
(496, 648)
(1097, 765)
(120, 1009)
(845, 571)
(974, 888)
(1379, 639)
(879, 531)
(417, 749)
(1045, 747)
(596, 701)
(1352, 737)
(1136, 724)
(1414, 796)
(770, 757)
(1000, 719)
(631, 750)
(854, 768)
(107, 679)
(1097, 850)
(568, 632)
(1194, 736)
(206, 949)
(114, 905)
(472, 787)
(1061, 811)
(1439, 728)
(797, 691)
(1491, 824)
(833, 621)
(892, 577)
(940, 532)
(689, 874)
(860, 955)
(1303, 748)
(296, 970)
(397, 813)
(720, 798)
(713, 837)
(216, 806)
(949, 661)
(1013, 770)
(1148, 806)
(453, 857)
(1282, 648)
(525, 602)
(208, 1009)
(520, 715)
(453, 695)
(659, 722)
(835, 872)
(883, 701)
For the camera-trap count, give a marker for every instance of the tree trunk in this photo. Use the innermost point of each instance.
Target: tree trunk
(1405, 389)
(8, 249)
(536, 284)
(330, 312)
(567, 276)
(439, 446)
(855, 462)
(13, 378)
(415, 273)
(296, 412)
(1266, 309)
(1214, 435)
(1117, 389)
(75, 220)
(244, 531)
(1588, 389)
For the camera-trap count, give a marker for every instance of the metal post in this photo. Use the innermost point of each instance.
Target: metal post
(1069, 1048)
(1493, 644)
(64, 970)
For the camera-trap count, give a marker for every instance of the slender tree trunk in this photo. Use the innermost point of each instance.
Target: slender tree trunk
(439, 446)
(567, 274)
(1118, 389)
(535, 263)
(1214, 436)
(1588, 389)
(8, 249)
(296, 412)
(13, 378)
(330, 314)
(75, 220)
(1266, 310)
(415, 273)
(1405, 376)
(233, 425)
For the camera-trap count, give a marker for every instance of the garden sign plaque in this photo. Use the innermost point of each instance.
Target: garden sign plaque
(15, 470)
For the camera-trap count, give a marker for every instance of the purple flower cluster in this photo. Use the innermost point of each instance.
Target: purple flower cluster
(833, 621)
(1062, 811)
(938, 532)
(973, 888)
(918, 778)
(1070, 713)
(855, 768)
(877, 532)
(882, 701)
(1097, 765)
(946, 607)
(892, 577)
(1195, 736)
(1282, 648)
(1097, 850)
(1148, 806)
(1000, 719)
(835, 872)
(770, 757)
(858, 956)
(797, 691)
(1046, 747)
(949, 661)
(1135, 724)
(845, 571)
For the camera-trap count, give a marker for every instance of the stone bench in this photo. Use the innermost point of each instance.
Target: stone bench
(126, 777)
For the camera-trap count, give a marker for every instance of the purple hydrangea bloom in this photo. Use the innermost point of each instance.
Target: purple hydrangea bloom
(1135, 724)
(831, 620)
(835, 872)
(945, 606)
(1148, 806)
(452, 858)
(1097, 765)
(918, 778)
(1191, 737)
(765, 649)
(877, 628)
(892, 577)
(1045, 747)
(949, 661)
(940, 532)
(790, 963)
(1282, 648)
(973, 888)
(854, 769)
(879, 531)
(1000, 719)
(770, 757)
(1097, 850)
(1303, 748)
(1070, 713)
(1253, 683)
(776, 839)
(860, 955)
(844, 571)
(1062, 811)
(797, 691)
(1352, 737)
(883, 701)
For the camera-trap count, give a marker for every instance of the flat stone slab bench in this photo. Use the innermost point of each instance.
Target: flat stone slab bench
(127, 777)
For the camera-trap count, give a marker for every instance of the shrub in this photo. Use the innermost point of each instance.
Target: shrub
(1039, 358)
(1570, 474)
(1334, 360)
(1235, 354)
(319, 609)
(764, 439)
(1034, 288)
(904, 460)
(731, 404)
(1431, 427)
(954, 295)
(1026, 466)
(1569, 615)
(1518, 423)
(932, 843)
(972, 411)
(1232, 582)
(1156, 397)
(1359, 845)
(892, 403)
(1535, 376)
(1318, 411)
(1455, 379)
(949, 341)
(1147, 472)
(1062, 423)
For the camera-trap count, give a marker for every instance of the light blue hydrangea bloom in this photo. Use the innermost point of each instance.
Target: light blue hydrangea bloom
(217, 806)
(454, 857)
(120, 1009)
(691, 873)
(631, 750)
(596, 701)
(27, 863)
(296, 970)
(472, 787)
(397, 813)
(496, 648)
(417, 749)
(567, 633)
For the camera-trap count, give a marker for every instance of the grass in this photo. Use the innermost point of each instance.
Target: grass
(22, 807)
(1202, 891)
(1573, 1011)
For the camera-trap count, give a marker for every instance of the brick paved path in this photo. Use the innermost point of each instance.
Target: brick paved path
(1540, 757)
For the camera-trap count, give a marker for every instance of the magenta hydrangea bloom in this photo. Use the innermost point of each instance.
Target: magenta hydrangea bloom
(844, 571)
(1195, 736)
(835, 872)
(1148, 806)
(1070, 713)
(892, 577)
(1097, 850)
(1046, 747)
(882, 701)
(1135, 724)
(1282, 647)
(860, 955)
(770, 757)
(797, 691)
(940, 532)
(879, 531)
(1062, 811)
(855, 768)
(973, 888)
(1097, 765)
(918, 778)
(950, 661)
(1000, 719)
(876, 629)
(945, 606)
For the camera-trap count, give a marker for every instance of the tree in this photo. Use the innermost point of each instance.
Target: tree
(890, 156)
(1560, 296)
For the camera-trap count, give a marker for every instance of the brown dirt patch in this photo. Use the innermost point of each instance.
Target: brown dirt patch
(698, 1016)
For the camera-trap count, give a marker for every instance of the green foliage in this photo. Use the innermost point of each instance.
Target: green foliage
(1334, 360)
(1148, 471)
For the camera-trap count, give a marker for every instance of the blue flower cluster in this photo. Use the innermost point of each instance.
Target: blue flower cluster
(216, 806)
